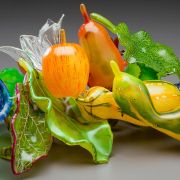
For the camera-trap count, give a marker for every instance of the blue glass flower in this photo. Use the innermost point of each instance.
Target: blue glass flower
(5, 101)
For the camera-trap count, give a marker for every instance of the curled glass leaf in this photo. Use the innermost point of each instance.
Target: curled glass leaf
(97, 137)
(31, 138)
(5, 102)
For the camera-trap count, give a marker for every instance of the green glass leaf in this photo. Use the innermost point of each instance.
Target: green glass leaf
(158, 57)
(96, 138)
(147, 73)
(5, 143)
(140, 48)
(133, 69)
(5, 152)
(31, 137)
(11, 76)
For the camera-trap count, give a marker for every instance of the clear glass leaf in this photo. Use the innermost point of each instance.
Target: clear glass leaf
(50, 31)
(48, 23)
(15, 53)
(33, 48)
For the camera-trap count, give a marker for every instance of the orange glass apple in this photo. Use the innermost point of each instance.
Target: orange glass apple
(65, 68)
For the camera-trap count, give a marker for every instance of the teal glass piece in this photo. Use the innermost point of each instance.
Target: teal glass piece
(5, 102)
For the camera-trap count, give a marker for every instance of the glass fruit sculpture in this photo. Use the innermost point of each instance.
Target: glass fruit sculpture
(72, 93)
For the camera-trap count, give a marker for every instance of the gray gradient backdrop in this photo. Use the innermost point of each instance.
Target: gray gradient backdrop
(136, 155)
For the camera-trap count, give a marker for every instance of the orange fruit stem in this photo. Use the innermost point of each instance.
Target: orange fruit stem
(84, 13)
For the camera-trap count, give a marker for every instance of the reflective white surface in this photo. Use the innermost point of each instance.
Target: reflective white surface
(137, 154)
